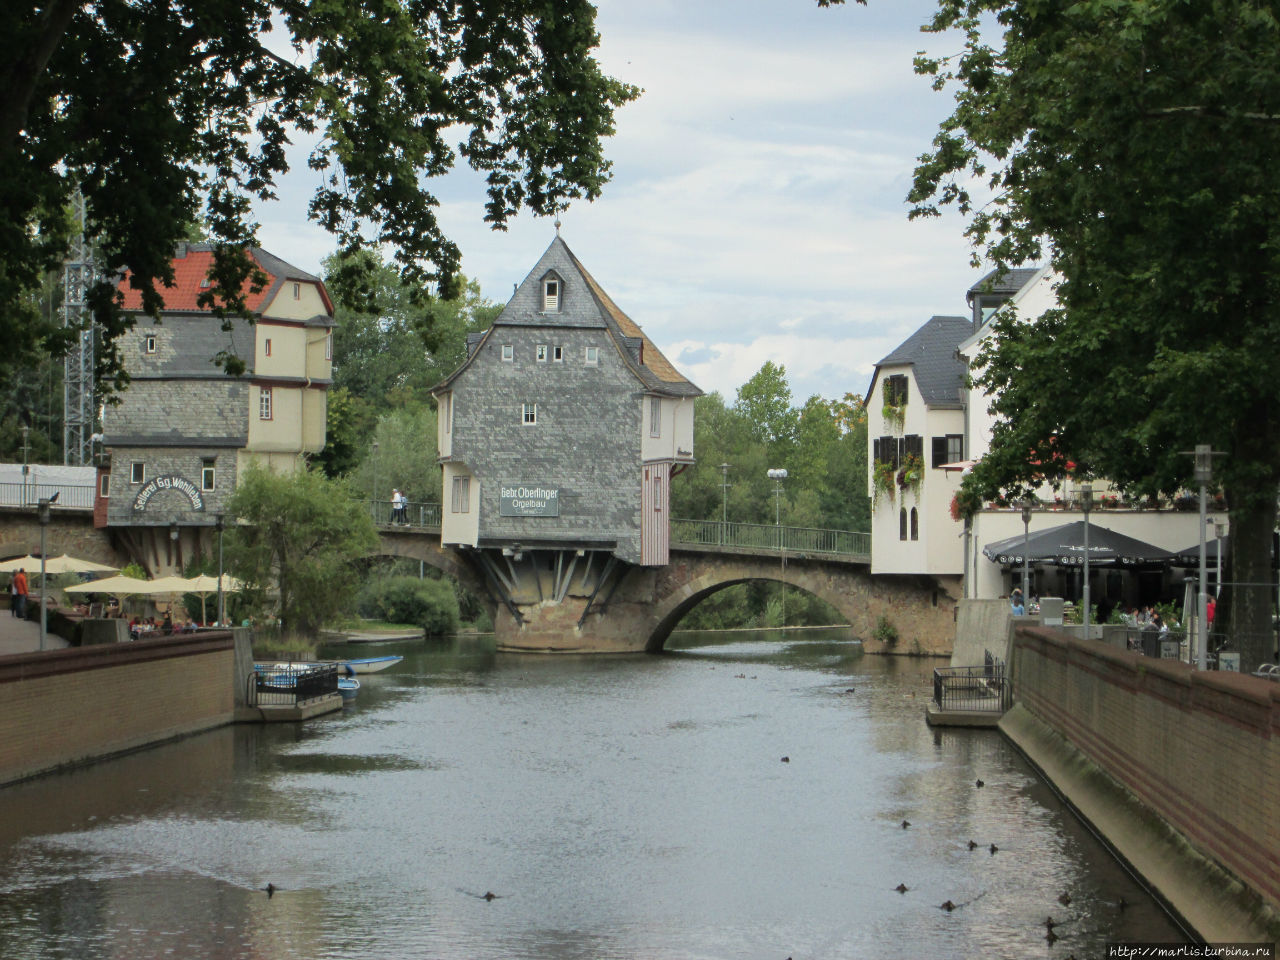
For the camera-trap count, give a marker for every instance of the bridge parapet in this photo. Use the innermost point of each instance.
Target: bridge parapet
(759, 538)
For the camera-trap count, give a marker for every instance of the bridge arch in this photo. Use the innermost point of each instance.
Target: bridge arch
(411, 545)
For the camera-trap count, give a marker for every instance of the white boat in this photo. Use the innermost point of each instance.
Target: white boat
(348, 687)
(371, 664)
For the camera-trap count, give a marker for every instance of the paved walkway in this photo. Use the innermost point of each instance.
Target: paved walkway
(23, 636)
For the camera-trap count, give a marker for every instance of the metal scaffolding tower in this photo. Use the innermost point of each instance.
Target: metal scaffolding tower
(79, 412)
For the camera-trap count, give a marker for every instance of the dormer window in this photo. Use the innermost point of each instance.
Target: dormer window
(551, 295)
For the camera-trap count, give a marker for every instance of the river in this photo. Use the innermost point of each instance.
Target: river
(742, 796)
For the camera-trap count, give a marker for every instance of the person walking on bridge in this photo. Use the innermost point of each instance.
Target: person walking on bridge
(20, 591)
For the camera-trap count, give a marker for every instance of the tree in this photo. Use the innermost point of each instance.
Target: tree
(300, 535)
(168, 114)
(1134, 143)
(393, 340)
(765, 400)
(402, 437)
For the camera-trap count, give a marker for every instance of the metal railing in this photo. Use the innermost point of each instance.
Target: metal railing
(415, 514)
(70, 496)
(763, 536)
(288, 684)
(984, 689)
(1150, 642)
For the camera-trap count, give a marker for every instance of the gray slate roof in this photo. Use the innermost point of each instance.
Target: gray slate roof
(1002, 283)
(583, 303)
(931, 351)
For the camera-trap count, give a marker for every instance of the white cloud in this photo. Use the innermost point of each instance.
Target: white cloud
(757, 209)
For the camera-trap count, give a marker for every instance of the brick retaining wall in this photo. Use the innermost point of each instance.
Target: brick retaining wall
(1201, 750)
(67, 706)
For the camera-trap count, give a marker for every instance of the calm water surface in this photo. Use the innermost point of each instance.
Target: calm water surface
(618, 807)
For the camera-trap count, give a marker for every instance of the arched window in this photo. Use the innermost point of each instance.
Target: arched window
(915, 524)
(902, 524)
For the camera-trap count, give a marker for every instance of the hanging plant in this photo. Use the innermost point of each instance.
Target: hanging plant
(895, 414)
(964, 504)
(911, 474)
(882, 481)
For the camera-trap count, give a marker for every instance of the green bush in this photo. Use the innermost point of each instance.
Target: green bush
(885, 631)
(430, 604)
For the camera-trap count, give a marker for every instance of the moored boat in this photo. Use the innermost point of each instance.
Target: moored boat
(371, 664)
(348, 687)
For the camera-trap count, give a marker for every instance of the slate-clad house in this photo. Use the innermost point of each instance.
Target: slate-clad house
(184, 430)
(564, 426)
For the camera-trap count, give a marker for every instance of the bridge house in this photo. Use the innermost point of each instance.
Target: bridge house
(184, 429)
(564, 426)
(926, 426)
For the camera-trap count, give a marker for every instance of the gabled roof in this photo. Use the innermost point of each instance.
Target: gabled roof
(931, 351)
(1001, 283)
(583, 303)
(191, 265)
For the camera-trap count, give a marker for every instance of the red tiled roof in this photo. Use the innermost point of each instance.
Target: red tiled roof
(191, 269)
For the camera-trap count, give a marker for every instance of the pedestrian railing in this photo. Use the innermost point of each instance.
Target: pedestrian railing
(762, 536)
(983, 689)
(415, 514)
(288, 684)
(70, 496)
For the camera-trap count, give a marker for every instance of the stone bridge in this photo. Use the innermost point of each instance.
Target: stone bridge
(545, 605)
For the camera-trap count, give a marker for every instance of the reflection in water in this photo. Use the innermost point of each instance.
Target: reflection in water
(615, 807)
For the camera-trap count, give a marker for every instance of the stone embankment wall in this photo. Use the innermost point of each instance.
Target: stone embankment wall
(68, 706)
(1178, 769)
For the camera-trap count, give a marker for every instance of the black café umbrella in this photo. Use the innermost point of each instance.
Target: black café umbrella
(1191, 556)
(1064, 547)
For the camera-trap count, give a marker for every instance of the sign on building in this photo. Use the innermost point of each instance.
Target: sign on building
(158, 484)
(519, 500)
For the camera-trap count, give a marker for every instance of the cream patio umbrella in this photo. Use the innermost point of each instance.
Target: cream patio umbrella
(121, 586)
(204, 585)
(56, 565)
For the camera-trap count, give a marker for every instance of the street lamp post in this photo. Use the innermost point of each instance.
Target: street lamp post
(25, 469)
(1086, 501)
(1219, 531)
(44, 526)
(1203, 474)
(219, 522)
(777, 475)
(1026, 541)
(373, 498)
(724, 502)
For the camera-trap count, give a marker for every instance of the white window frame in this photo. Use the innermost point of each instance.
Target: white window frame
(461, 495)
(137, 472)
(540, 353)
(508, 353)
(552, 289)
(297, 291)
(266, 347)
(149, 345)
(208, 473)
(529, 414)
(591, 356)
(265, 406)
(655, 417)
(104, 485)
(557, 354)
(328, 345)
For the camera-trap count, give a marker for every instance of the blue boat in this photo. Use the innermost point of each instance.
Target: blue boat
(348, 687)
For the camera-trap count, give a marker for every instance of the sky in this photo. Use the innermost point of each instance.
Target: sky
(757, 208)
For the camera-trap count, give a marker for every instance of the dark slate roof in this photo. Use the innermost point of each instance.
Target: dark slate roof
(583, 303)
(931, 351)
(1002, 283)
